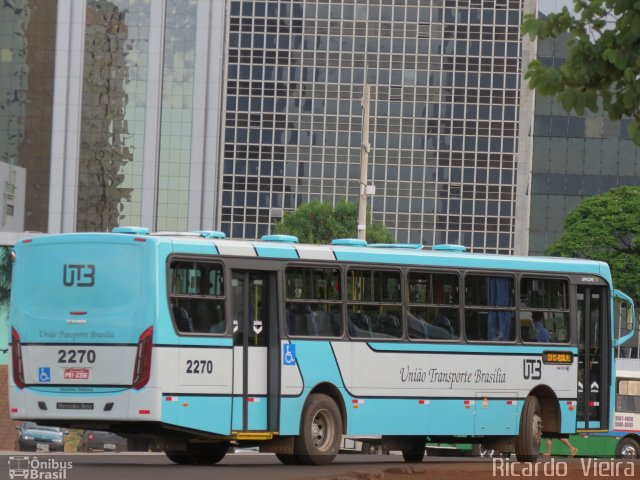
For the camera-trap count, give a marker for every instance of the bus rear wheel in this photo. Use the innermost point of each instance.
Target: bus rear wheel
(628, 448)
(414, 449)
(320, 431)
(205, 454)
(530, 434)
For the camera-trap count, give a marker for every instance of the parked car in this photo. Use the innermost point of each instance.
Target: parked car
(33, 438)
(99, 441)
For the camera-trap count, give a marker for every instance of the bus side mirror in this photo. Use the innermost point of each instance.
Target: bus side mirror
(624, 316)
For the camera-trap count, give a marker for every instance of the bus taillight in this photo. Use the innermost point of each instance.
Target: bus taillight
(16, 359)
(142, 369)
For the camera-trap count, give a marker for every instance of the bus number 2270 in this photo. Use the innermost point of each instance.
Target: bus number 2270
(199, 366)
(76, 356)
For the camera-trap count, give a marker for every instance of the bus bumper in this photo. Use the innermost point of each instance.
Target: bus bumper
(99, 404)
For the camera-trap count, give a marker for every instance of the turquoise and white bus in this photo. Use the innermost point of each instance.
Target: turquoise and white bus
(194, 342)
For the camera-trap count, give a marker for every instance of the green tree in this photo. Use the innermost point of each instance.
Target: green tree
(606, 227)
(603, 63)
(319, 222)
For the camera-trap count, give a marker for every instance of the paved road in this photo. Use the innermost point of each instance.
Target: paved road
(250, 466)
(152, 466)
(156, 466)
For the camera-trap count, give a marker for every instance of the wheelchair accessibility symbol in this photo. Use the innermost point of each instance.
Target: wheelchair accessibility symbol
(289, 355)
(44, 374)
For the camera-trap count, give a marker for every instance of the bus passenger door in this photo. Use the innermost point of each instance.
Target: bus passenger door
(255, 325)
(593, 358)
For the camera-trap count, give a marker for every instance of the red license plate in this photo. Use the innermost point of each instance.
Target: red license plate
(76, 373)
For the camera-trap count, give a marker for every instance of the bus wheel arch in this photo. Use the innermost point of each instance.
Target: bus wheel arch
(549, 408)
(332, 391)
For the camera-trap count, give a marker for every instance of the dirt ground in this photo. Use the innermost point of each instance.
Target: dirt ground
(572, 469)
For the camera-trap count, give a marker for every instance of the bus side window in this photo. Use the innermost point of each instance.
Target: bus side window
(313, 297)
(544, 300)
(433, 312)
(490, 308)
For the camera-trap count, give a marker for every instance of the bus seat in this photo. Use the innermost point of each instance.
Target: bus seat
(436, 332)
(387, 324)
(336, 324)
(417, 326)
(301, 320)
(183, 319)
(324, 324)
(311, 324)
(360, 325)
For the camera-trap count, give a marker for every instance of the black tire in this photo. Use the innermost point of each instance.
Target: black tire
(530, 434)
(178, 457)
(288, 458)
(320, 431)
(208, 454)
(628, 448)
(414, 449)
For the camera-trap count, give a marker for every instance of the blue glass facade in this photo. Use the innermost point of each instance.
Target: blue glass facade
(445, 81)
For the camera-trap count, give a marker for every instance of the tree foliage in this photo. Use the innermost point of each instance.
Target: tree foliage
(603, 62)
(319, 222)
(607, 227)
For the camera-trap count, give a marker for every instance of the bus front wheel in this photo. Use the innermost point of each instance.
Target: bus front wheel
(628, 448)
(320, 431)
(530, 434)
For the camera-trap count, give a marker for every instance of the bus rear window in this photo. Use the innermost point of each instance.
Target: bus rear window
(196, 295)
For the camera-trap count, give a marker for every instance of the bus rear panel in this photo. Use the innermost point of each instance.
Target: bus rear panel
(82, 319)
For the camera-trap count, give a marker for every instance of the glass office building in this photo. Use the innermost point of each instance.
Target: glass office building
(445, 80)
(214, 114)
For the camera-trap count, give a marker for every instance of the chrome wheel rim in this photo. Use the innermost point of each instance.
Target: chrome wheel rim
(629, 451)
